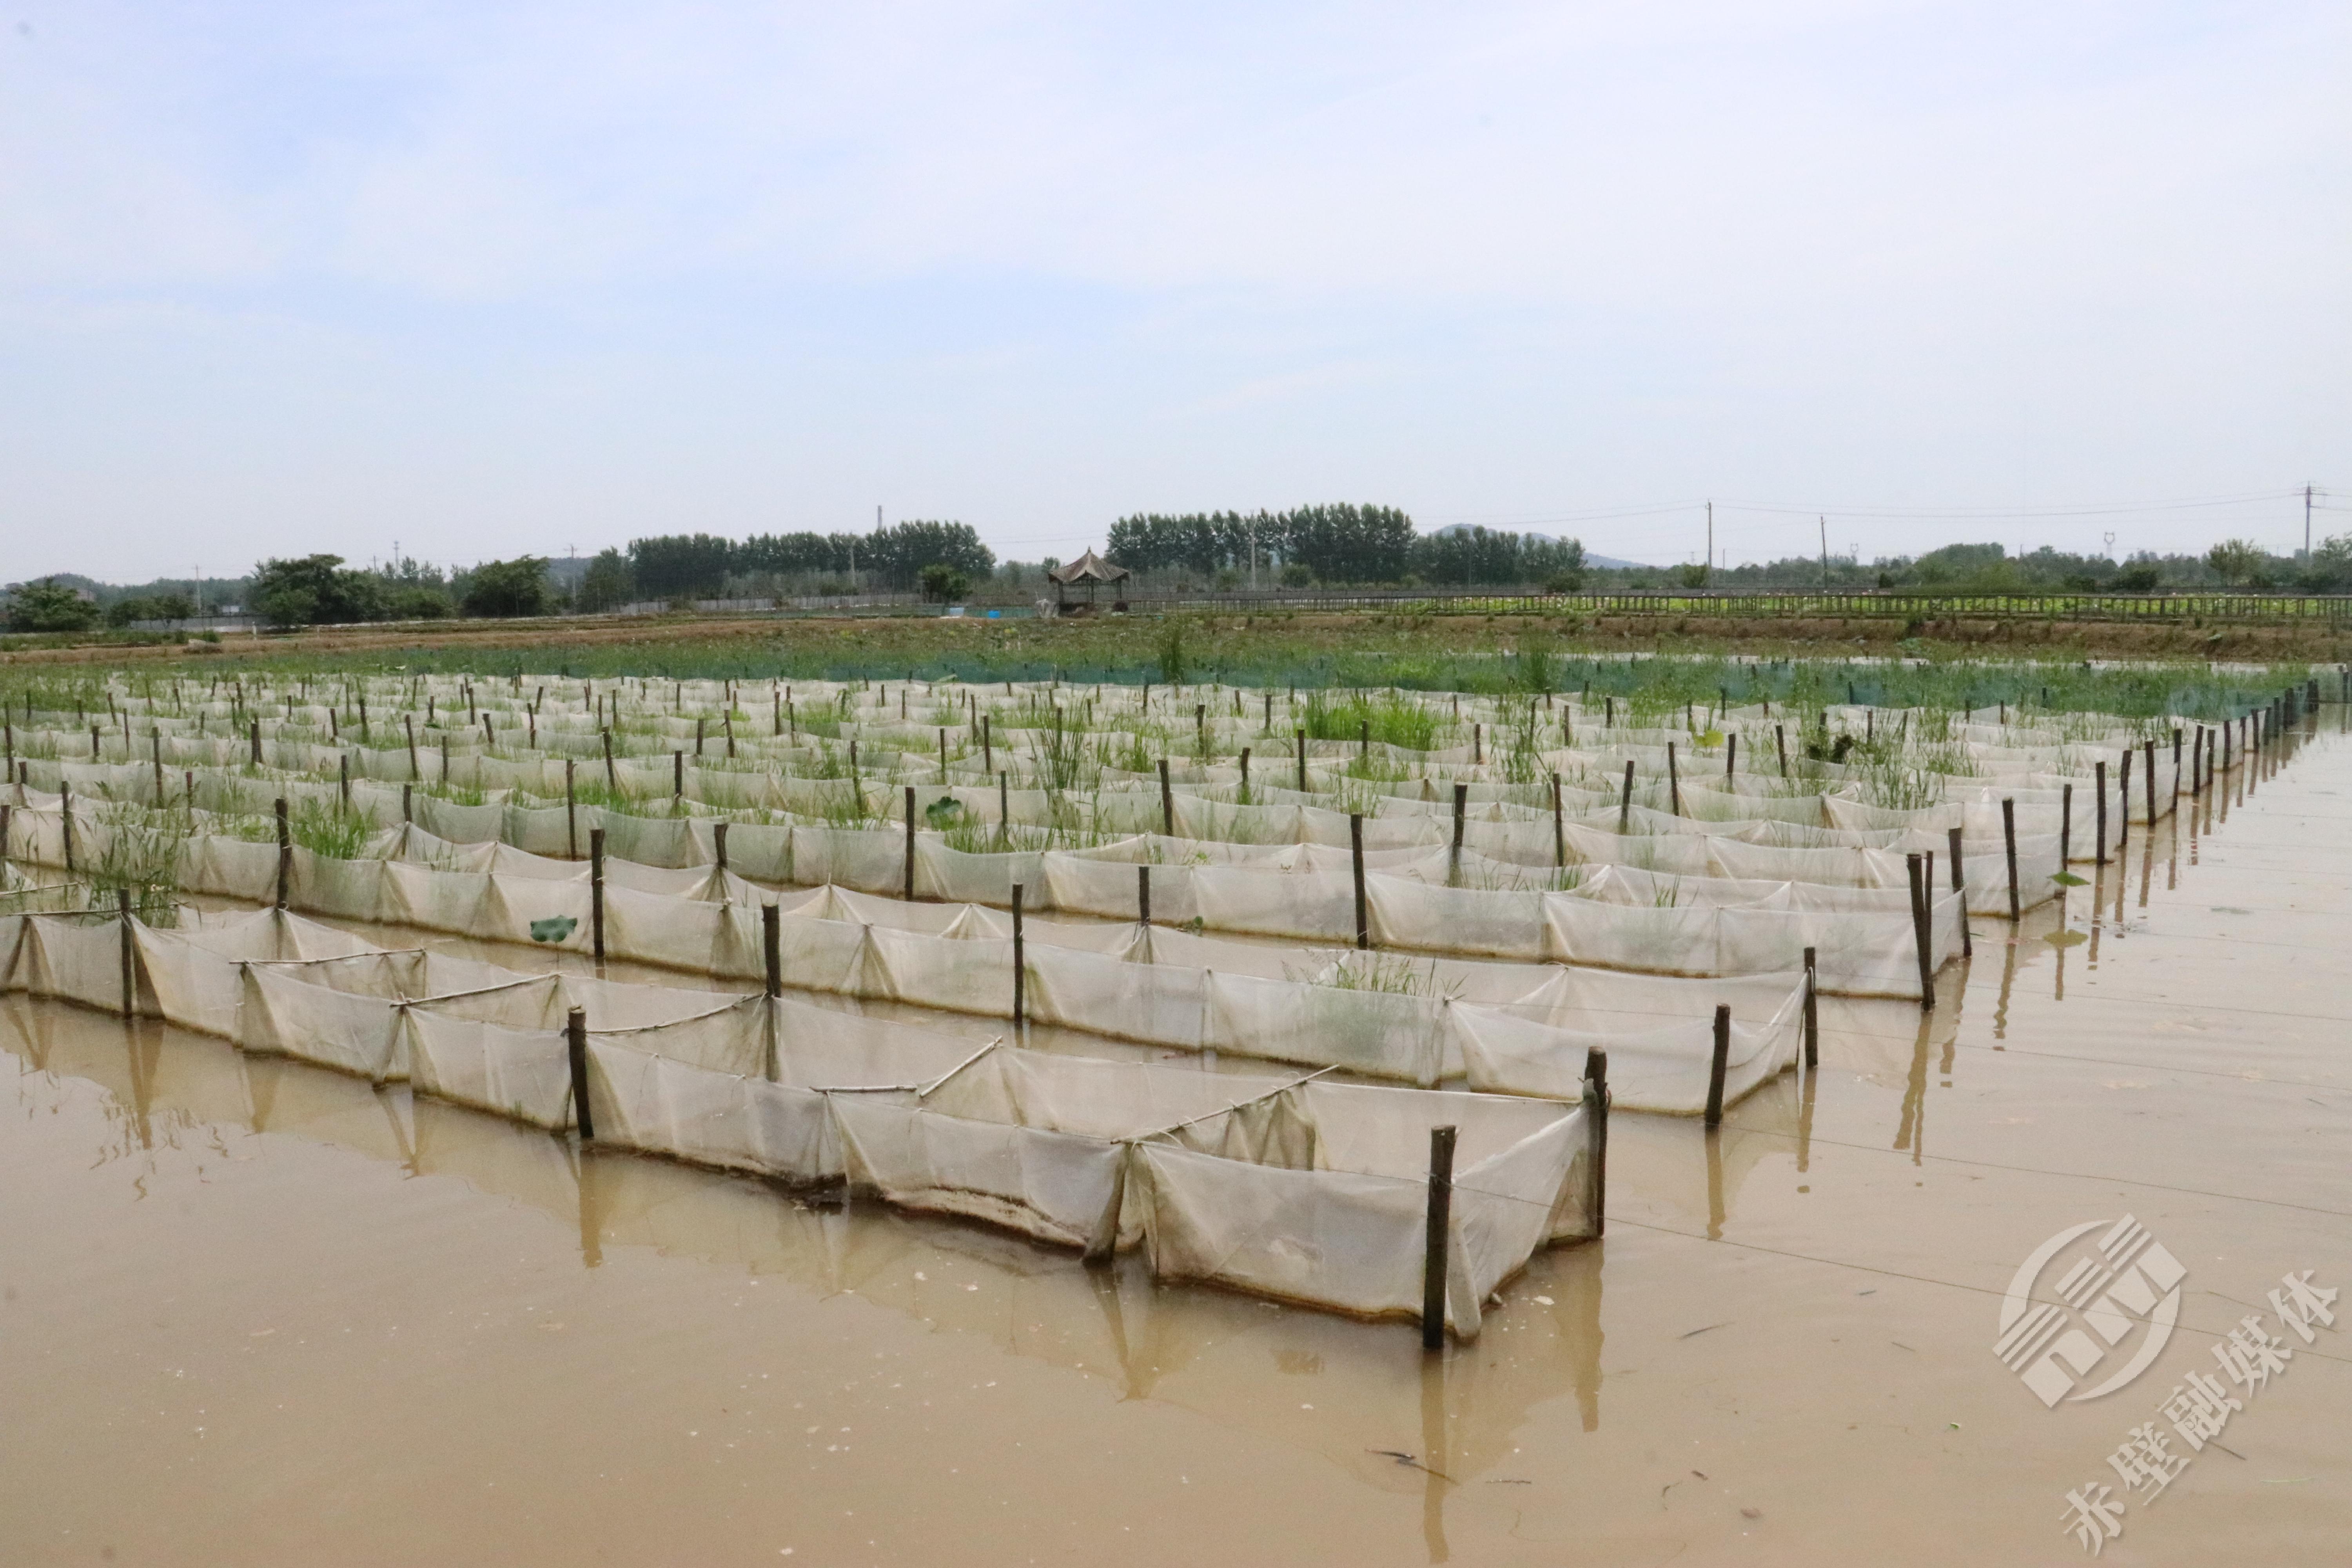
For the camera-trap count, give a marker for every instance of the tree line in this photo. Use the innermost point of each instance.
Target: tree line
(674, 565)
(1339, 544)
(302, 590)
(2236, 565)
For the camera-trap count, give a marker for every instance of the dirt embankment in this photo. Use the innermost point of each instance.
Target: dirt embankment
(1109, 641)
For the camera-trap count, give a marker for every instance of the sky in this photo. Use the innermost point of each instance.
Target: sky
(483, 278)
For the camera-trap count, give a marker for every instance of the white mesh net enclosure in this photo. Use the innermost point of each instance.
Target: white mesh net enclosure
(1338, 942)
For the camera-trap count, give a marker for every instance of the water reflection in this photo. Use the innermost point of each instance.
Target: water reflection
(1237, 1360)
(1911, 1129)
(1434, 1458)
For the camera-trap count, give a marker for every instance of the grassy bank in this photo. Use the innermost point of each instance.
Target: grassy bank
(1474, 654)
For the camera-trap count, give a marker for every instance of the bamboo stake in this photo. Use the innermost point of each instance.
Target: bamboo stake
(2008, 842)
(1020, 964)
(1914, 865)
(1356, 858)
(1435, 1251)
(1718, 1065)
(575, 1040)
(596, 892)
(1959, 886)
(1813, 1009)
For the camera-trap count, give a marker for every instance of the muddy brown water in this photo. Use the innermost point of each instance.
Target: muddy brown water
(255, 1312)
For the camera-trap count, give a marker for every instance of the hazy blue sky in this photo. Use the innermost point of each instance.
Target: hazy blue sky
(490, 277)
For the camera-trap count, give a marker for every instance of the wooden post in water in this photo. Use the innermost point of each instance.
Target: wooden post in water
(575, 1041)
(910, 893)
(771, 946)
(1433, 1255)
(2151, 786)
(1959, 886)
(1915, 866)
(2065, 825)
(1356, 859)
(1020, 964)
(2009, 843)
(1718, 1064)
(1596, 1105)
(1813, 1009)
(2099, 783)
(596, 892)
(284, 853)
(129, 960)
(2123, 805)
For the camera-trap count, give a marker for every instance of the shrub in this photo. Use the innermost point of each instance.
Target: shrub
(608, 583)
(313, 589)
(419, 604)
(48, 605)
(507, 588)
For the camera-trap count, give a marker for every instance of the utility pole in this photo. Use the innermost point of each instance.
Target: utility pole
(1252, 553)
(2306, 524)
(1825, 555)
(1710, 540)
